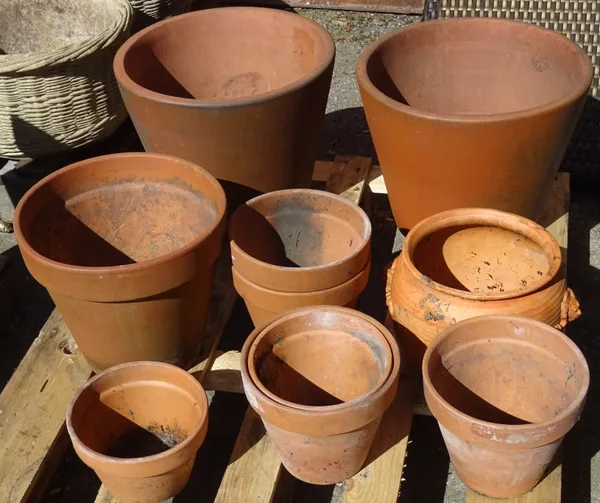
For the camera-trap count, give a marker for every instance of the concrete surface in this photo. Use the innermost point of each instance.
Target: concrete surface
(428, 476)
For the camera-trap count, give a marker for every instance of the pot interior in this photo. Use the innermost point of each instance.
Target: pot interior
(45, 25)
(482, 259)
(135, 419)
(122, 217)
(321, 358)
(507, 371)
(300, 229)
(227, 53)
(476, 67)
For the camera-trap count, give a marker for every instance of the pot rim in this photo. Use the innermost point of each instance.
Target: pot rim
(492, 428)
(145, 460)
(138, 90)
(278, 269)
(483, 216)
(385, 375)
(370, 88)
(220, 203)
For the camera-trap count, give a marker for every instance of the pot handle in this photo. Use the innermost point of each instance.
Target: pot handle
(569, 309)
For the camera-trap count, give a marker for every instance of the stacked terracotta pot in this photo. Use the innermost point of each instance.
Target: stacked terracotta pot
(299, 247)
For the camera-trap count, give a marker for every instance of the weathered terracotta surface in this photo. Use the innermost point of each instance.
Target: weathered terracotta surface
(299, 240)
(469, 112)
(321, 416)
(468, 262)
(125, 245)
(263, 303)
(240, 91)
(505, 390)
(139, 426)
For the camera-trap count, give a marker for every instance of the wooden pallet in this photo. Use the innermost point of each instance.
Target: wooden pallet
(33, 439)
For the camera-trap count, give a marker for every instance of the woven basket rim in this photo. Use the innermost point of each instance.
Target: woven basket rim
(13, 63)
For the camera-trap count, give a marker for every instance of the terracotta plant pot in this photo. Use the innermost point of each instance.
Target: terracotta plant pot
(468, 262)
(263, 303)
(322, 417)
(505, 390)
(139, 426)
(471, 112)
(299, 240)
(240, 91)
(125, 245)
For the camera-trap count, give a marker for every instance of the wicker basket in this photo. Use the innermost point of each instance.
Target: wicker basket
(66, 95)
(147, 12)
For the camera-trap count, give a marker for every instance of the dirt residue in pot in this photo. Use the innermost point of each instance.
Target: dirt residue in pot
(154, 439)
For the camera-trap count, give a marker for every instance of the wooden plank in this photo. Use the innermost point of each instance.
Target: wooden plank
(384, 6)
(32, 411)
(347, 177)
(380, 479)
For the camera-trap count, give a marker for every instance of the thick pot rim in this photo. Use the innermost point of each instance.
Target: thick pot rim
(328, 417)
(220, 203)
(372, 90)
(148, 461)
(138, 90)
(483, 216)
(495, 432)
(278, 269)
(315, 408)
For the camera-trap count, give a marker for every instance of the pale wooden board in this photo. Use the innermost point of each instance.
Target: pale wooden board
(32, 411)
(254, 469)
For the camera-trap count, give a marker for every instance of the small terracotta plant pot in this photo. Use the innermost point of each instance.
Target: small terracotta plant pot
(505, 390)
(139, 426)
(468, 262)
(241, 91)
(321, 379)
(299, 240)
(125, 245)
(263, 303)
(471, 112)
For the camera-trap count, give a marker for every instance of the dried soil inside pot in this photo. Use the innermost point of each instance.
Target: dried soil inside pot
(228, 56)
(486, 67)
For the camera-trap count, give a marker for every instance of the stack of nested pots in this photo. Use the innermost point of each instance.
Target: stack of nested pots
(299, 247)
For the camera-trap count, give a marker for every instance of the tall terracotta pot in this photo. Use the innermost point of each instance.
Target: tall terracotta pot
(240, 91)
(139, 426)
(468, 262)
(321, 417)
(471, 112)
(505, 390)
(125, 245)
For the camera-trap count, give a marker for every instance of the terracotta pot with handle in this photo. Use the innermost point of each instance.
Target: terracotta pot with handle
(125, 245)
(468, 262)
(321, 379)
(471, 112)
(505, 390)
(139, 426)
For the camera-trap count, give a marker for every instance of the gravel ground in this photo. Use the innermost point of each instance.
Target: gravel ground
(428, 475)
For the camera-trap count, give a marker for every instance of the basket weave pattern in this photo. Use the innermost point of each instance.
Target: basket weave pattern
(150, 11)
(63, 98)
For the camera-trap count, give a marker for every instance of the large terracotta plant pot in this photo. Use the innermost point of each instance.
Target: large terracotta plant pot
(321, 379)
(505, 390)
(471, 113)
(125, 245)
(263, 303)
(468, 262)
(299, 240)
(240, 91)
(139, 426)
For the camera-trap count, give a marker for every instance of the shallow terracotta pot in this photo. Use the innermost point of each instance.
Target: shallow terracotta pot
(139, 426)
(241, 91)
(505, 390)
(299, 240)
(263, 303)
(125, 245)
(468, 262)
(471, 112)
(321, 416)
